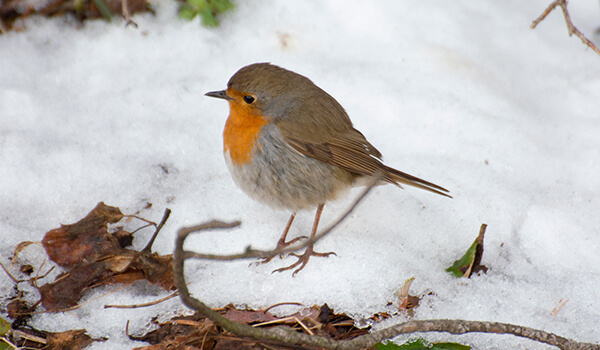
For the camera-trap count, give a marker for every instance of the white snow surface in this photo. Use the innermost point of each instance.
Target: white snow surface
(460, 93)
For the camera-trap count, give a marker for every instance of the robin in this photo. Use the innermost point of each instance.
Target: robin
(289, 144)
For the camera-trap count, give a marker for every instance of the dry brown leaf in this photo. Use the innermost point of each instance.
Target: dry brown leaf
(85, 240)
(193, 331)
(16, 308)
(66, 291)
(96, 258)
(157, 269)
(247, 316)
(120, 263)
(73, 340)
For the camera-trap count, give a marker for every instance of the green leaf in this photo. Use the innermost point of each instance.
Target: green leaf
(472, 257)
(5, 346)
(421, 344)
(206, 9)
(103, 9)
(187, 12)
(4, 329)
(414, 344)
(78, 4)
(197, 3)
(220, 6)
(208, 18)
(460, 266)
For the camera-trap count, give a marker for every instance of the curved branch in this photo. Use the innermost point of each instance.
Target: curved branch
(287, 336)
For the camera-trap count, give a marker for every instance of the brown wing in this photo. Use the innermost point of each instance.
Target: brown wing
(351, 151)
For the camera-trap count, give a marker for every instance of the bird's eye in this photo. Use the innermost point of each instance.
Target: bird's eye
(249, 99)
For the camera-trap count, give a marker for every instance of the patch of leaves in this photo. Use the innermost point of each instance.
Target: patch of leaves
(207, 10)
(92, 257)
(13, 12)
(29, 338)
(95, 257)
(197, 332)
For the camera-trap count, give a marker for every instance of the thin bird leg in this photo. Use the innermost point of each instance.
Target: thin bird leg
(281, 243)
(303, 259)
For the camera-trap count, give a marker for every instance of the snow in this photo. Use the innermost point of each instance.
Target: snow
(462, 94)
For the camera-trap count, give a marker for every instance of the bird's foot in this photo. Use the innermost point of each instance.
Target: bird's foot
(281, 244)
(303, 260)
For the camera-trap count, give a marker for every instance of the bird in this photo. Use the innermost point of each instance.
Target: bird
(291, 145)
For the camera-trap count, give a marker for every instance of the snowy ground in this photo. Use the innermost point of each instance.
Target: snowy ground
(460, 93)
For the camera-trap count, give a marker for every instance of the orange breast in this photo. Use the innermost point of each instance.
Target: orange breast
(242, 129)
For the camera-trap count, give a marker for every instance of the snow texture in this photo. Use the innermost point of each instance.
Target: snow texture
(460, 93)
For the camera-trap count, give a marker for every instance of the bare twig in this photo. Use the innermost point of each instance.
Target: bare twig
(165, 217)
(559, 307)
(37, 277)
(8, 274)
(284, 320)
(32, 337)
(288, 336)
(148, 248)
(150, 223)
(4, 340)
(280, 304)
(126, 15)
(141, 228)
(572, 29)
(137, 306)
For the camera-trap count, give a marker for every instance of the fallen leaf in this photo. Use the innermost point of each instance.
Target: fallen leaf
(180, 331)
(247, 316)
(96, 258)
(125, 238)
(66, 291)
(157, 269)
(403, 291)
(407, 302)
(470, 261)
(4, 327)
(73, 340)
(84, 240)
(16, 308)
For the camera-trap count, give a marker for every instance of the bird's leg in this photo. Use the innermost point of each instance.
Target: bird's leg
(303, 259)
(281, 243)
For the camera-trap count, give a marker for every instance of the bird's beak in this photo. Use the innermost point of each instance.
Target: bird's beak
(219, 94)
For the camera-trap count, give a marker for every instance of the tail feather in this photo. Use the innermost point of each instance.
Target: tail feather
(397, 177)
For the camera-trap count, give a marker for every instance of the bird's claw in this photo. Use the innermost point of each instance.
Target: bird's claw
(303, 260)
(280, 245)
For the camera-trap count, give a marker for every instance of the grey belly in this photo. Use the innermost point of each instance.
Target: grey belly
(281, 177)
